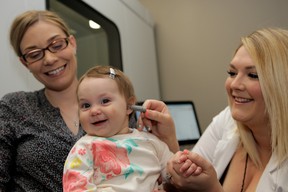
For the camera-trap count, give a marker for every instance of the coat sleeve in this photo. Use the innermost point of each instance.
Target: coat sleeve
(213, 134)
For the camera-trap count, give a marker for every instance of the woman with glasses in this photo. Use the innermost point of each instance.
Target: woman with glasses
(38, 129)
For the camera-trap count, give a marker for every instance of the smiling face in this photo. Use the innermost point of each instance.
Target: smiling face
(244, 91)
(103, 110)
(58, 70)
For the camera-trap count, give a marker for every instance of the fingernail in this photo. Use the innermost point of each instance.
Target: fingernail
(146, 113)
(185, 151)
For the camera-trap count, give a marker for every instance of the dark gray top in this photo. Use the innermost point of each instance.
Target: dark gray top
(34, 143)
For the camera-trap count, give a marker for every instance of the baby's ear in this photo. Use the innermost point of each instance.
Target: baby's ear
(131, 101)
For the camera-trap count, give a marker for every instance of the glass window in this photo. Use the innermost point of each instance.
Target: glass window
(95, 45)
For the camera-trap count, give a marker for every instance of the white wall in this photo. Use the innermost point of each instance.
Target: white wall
(13, 75)
(196, 40)
(137, 43)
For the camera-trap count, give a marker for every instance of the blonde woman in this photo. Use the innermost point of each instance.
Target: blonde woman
(245, 148)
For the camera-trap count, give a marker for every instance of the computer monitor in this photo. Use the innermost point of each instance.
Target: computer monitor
(184, 114)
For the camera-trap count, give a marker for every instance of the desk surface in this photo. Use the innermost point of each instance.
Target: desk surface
(189, 147)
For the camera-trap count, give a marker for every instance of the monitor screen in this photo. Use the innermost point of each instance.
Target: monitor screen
(186, 122)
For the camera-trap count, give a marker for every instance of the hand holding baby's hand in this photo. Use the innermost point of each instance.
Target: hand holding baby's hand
(185, 166)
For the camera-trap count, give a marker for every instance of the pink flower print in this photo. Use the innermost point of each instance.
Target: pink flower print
(108, 158)
(82, 151)
(74, 181)
(73, 150)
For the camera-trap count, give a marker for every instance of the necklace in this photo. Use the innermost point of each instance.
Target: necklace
(75, 120)
(76, 124)
(245, 169)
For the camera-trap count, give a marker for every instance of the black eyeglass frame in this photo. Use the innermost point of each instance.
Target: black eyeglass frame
(44, 49)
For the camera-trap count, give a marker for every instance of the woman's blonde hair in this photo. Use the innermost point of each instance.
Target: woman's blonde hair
(22, 22)
(268, 49)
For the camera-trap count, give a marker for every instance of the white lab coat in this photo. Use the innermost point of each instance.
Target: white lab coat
(218, 144)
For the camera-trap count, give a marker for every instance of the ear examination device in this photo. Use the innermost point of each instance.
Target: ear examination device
(138, 108)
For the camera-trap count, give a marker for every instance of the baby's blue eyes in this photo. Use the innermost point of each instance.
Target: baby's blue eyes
(105, 101)
(251, 75)
(85, 106)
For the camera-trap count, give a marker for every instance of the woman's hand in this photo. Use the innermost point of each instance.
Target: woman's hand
(158, 120)
(183, 165)
(205, 180)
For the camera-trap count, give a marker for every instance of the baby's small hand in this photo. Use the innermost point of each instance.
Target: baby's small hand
(188, 167)
(183, 156)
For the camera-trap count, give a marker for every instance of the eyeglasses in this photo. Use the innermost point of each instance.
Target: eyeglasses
(37, 54)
